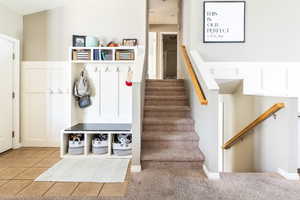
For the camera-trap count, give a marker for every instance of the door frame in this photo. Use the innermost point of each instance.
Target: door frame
(161, 69)
(16, 88)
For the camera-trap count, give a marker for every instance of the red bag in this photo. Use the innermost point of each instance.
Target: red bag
(128, 81)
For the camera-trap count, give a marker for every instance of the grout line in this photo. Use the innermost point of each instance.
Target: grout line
(74, 189)
(98, 195)
(13, 178)
(23, 188)
(48, 189)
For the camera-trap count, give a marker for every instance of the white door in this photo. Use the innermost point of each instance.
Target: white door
(6, 89)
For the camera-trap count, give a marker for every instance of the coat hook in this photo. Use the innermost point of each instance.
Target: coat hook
(274, 116)
(118, 69)
(106, 70)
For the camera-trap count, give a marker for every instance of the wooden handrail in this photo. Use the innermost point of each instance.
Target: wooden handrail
(195, 81)
(253, 124)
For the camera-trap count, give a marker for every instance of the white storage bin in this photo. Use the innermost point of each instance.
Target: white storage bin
(76, 146)
(100, 145)
(121, 149)
(122, 144)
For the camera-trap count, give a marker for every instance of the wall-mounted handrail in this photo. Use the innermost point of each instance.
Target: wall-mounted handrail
(192, 74)
(276, 107)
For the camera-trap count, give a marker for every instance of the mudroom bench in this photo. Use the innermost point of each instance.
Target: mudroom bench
(87, 139)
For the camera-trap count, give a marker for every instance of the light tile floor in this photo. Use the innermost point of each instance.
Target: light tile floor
(19, 168)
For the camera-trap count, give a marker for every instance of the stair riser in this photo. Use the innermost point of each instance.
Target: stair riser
(165, 93)
(169, 165)
(152, 102)
(175, 127)
(170, 84)
(187, 145)
(181, 114)
(157, 137)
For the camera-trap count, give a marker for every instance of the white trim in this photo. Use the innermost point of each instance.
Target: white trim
(209, 80)
(17, 146)
(287, 175)
(136, 168)
(16, 90)
(220, 133)
(211, 175)
(44, 65)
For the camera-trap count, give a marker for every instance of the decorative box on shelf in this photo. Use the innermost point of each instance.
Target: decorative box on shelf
(125, 54)
(81, 54)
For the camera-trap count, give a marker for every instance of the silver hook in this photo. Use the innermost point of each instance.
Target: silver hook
(274, 115)
(118, 69)
(106, 69)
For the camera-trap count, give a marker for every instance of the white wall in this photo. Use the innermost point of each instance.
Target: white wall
(276, 140)
(272, 145)
(11, 23)
(238, 113)
(206, 120)
(272, 29)
(48, 35)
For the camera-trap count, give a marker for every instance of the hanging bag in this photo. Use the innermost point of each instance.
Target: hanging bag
(81, 91)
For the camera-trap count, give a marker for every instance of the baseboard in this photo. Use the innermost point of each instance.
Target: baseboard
(287, 175)
(211, 175)
(17, 146)
(136, 168)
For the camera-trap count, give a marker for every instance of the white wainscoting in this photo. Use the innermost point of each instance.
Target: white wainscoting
(44, 103)
(48, 105)
(264, 79)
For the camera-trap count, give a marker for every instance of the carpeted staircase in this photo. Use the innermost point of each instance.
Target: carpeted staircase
(168, 138)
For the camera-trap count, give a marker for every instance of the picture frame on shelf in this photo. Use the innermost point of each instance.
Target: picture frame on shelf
(79, 41)
(129, 42)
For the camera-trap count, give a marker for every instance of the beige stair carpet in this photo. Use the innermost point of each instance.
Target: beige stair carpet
(169, 138)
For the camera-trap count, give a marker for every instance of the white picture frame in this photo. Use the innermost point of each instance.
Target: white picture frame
(224, 21)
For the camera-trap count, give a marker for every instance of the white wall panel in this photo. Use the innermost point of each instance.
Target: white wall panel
(125, 97)
(109, 94)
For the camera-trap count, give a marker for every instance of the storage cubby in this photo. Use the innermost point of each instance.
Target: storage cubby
(98, 147)
(121, 144)
(120, 54)
(91, 131)
(66, 138)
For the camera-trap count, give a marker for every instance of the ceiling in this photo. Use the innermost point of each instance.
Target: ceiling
(163, 11)
(25, 7)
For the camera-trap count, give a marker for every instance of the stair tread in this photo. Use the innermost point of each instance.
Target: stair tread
(169, 136)
(169, 88)
(168, 120)
(164, 80)
(166, 97)
(167, 108)
(171, 154)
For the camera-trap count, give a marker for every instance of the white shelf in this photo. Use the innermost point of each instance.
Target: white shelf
(113, 49)
(105, 48)
(102, 61)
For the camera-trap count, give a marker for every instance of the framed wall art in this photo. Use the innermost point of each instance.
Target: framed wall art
(224, 21)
